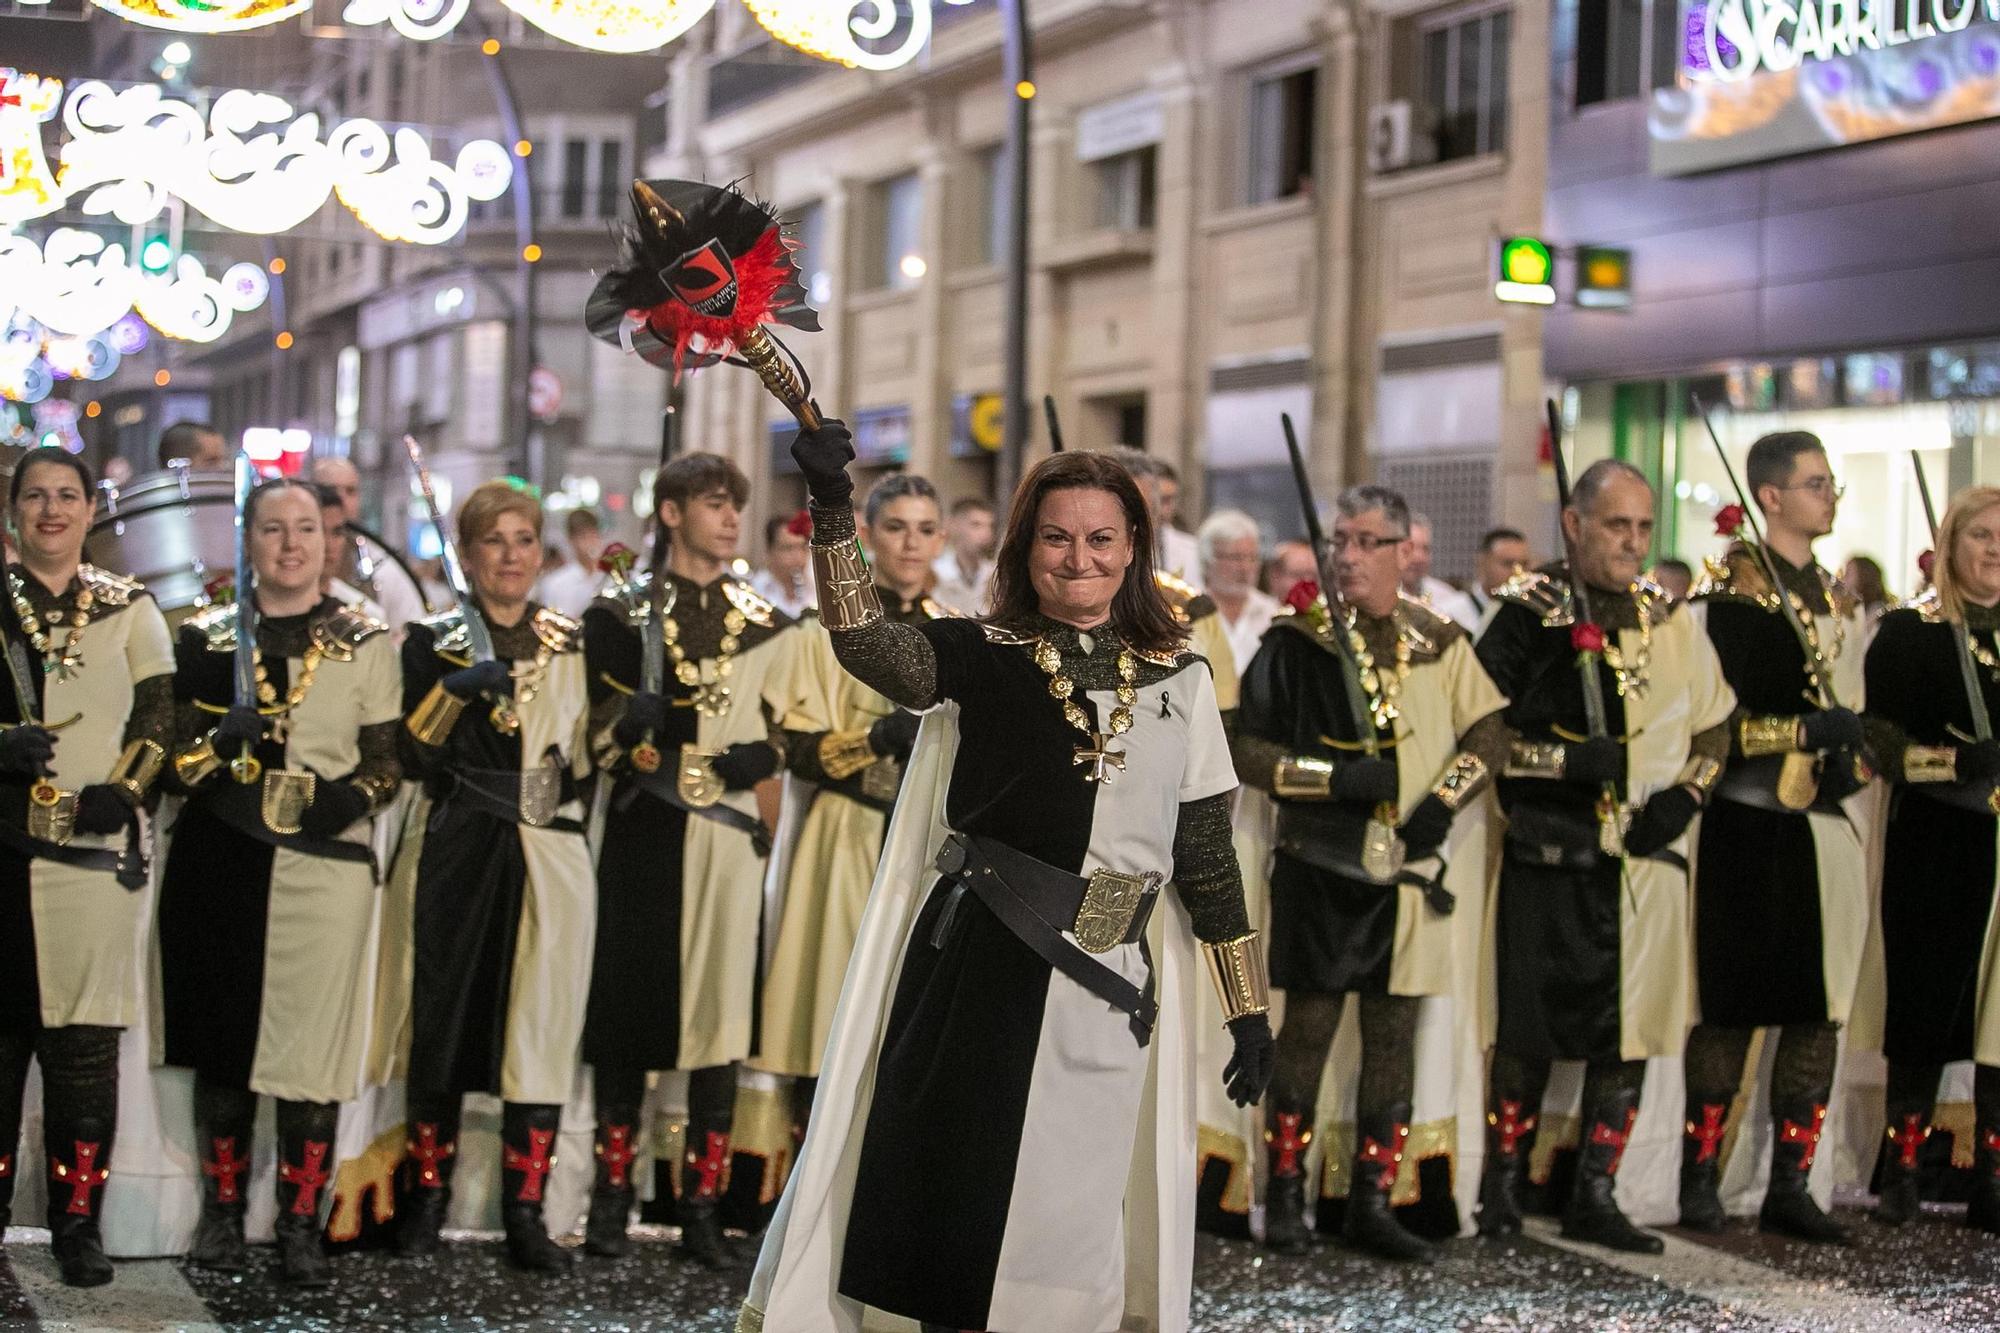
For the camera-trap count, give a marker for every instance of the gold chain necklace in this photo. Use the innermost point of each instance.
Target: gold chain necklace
(63, 663)
(1981, 653)
(1098, 754)
(1632, 676)
(267, 693)
(711, 698)
(1383, 690)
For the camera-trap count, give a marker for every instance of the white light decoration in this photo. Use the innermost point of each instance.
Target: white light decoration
(77, 285)
(623, 27)
(419, 20)
(196, 308)
(27, 188)
(205, 15)
(834, 29)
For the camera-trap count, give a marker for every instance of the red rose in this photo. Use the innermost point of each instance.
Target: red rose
(1728, 519)
(1926, 563)
(801, 524)
(1587, 637)
(1302, 596)
(616, 559)
(222, 588)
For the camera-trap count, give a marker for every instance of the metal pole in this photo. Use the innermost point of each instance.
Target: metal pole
(520, 424)
(1017, 68)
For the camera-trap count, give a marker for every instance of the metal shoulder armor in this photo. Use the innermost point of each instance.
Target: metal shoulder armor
(750, 602)
(448, 632)
(1734, 577)
(558, 632)
(345, 630)
(1544, 594)
(630, 592)
(109, 589)
(217, 625)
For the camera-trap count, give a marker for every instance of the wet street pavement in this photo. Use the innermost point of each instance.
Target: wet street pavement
(1933, 1275)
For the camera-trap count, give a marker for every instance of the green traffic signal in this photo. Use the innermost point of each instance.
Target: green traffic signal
(156, 255)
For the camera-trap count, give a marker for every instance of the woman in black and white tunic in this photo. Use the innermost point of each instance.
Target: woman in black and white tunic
(1004, 1132)
(267, 903)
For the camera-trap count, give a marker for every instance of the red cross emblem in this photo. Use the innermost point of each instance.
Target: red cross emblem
(534, 1164)
(429, 1153)
(1287, 1144)
(1805, 1134)
(224, 1167)
(308, 1175)
(81, 1178)
(1604, 1136)
(1511, 1126)
(710, 1164)
(1389, 1158)
(1908, 1139)
(1709, 1132)
(616, 1153)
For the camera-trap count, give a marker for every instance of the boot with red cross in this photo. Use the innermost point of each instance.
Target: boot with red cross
(1789, 1208)
(1593, 1214)
(305, 1168)
(527, 1157)
(1378, 1160)
(612, 1192)
(223, 1120)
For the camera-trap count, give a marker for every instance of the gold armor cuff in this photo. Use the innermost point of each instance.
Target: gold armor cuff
(1930, 763)
(137, 767)
(1237, 968)
(196, 761)
(1465, 779)
(432, 720)
(1758, 736)
(1301, 778)
(844, 753)
(1536, 759)
(847, 596)
(377, 788)
(1701, 773)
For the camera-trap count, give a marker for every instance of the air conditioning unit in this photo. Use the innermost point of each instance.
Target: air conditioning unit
(1394, 139)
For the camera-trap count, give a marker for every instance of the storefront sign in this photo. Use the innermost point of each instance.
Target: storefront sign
(1731, 40)
(1121, 126)
(882, 435)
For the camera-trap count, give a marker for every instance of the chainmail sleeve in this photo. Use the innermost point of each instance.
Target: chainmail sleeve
(1490, 738)
(1206, 872)
(1886, 743)
(1714, 742)
(380, 771)
(891, 659)
(1257, 759)
(153, 711)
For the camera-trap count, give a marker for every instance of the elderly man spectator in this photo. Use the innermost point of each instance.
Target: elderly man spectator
(1435, 593)
(1503, 553)
(1229, 541)
(965, 570)
(1290, 565)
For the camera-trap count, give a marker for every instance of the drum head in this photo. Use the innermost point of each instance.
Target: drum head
(173, 531)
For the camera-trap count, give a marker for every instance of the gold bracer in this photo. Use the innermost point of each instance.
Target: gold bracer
(1701, 773)
(847, 596)
(844, 753)
(432, 720)
(1237, 968)
(1930, 763)
(1301, 777)
(378, 789)
(196, 762)
(1768, 735)
(137, 767)
(1465, 779)
(1536, 759)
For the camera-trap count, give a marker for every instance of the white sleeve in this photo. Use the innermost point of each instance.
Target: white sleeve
(1209, 771)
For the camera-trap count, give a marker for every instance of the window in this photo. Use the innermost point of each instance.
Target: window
(894, 219)
(1465, 84)
(992, 219)
(575, 185)
(1625, 47)
(1125, 189)
(815, 264)
(1281, 135)
(611, 183)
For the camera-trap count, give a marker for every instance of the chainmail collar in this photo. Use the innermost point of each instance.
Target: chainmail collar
(519, 640)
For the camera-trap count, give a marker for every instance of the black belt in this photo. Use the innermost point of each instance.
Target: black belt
(1030, 897)
(486, 802)
(1539, 835)
(129, 865)
(241, 806)
(1330, 839)
(661, 786)
(1975, 797)
(853, 789)
(1754, 782)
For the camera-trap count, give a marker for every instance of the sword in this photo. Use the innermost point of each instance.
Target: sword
(245, 767)
(1610, 829)
(44, 792)
(1975, 698)
(477, 636)
(1381, 850)
(659, 601)
(1055, 427)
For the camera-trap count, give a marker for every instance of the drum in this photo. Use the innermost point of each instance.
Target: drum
(174, 531)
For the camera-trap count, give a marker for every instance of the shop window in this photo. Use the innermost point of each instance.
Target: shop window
(1281, 135)
(611, 182)
(815, 264)
(990, 225)
(893, 258)
(1625, 48)
(575, 177)
(1125, 189)
(1464, 82)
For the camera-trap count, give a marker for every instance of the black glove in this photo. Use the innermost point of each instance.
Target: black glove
(1978, 762)
(644, 714)
(240, 726)
(892, 736)
(1426, 828)
(1660, 820)
(823, 456)
(745, 764)
(1594, 762)
(495, 677)
(1832, 729)
(102, 808)
(335, 806)
(1367, 781)
(26, 750)
(1249, 1069)
(1837, 778)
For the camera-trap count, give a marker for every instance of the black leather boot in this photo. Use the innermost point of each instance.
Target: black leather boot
(527, 1156)
(1510, 1141)
(1701, 1162)
(223, 1122)
(79, 1153)
(1593, 1214)
(1368, 1223)
(432, 1146)
(612, 1192)
(305, 1166)
(1788, 1208)
(1983, 1213)
(1898, 1203)
(698, 1211)
(1286, 1138)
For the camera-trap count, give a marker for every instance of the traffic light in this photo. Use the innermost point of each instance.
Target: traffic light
(1526, 272)
(1603, 277)
(156, 248)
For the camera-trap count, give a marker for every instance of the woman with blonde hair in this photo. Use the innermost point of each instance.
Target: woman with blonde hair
(1933, 740)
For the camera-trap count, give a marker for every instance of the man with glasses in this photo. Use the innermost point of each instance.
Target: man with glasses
(1781, 895)
(1351, 910)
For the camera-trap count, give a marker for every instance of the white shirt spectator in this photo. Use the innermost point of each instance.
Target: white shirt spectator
(1247, 631)
(967, 596)
(569, 588)
(1446, 600)
(794, 602)
(1180, 555)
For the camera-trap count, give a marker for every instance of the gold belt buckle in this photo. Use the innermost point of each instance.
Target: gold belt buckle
(696, 779)
(541, 794)
(1110, 902)
(51, 813)
(286, 795)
